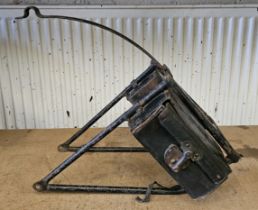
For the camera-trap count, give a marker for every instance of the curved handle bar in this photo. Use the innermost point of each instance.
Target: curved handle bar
(38, 14)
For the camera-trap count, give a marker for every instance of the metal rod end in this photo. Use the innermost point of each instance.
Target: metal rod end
(40, 186)
(62, 148)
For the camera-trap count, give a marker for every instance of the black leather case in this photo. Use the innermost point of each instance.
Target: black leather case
(171, 127)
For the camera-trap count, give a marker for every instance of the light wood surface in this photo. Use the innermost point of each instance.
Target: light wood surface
(28, 155)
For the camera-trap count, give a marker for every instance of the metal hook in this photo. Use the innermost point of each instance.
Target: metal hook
(38, 14)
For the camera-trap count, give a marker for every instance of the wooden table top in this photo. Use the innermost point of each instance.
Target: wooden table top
(28, 155)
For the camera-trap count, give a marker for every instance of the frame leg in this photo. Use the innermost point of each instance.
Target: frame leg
(109, 149)
(43, 184)
(114, 189)
(66, 145)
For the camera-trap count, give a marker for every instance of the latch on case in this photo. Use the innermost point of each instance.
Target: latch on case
(176, 159)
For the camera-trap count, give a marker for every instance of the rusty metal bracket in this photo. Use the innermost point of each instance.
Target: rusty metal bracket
(147, 90)
(43, 184)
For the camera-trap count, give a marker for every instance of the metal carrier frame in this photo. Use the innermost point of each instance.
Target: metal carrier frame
(208, 123)
(44, 185)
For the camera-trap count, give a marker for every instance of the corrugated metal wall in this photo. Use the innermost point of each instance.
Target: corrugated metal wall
(56, 73)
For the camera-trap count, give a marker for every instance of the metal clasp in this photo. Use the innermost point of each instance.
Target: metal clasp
(176, 159)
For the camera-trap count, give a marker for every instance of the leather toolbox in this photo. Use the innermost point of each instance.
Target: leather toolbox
(180, 135)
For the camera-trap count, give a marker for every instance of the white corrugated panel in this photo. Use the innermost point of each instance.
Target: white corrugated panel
(57, 73)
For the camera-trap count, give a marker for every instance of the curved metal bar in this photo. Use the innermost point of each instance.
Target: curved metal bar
(38, 14)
